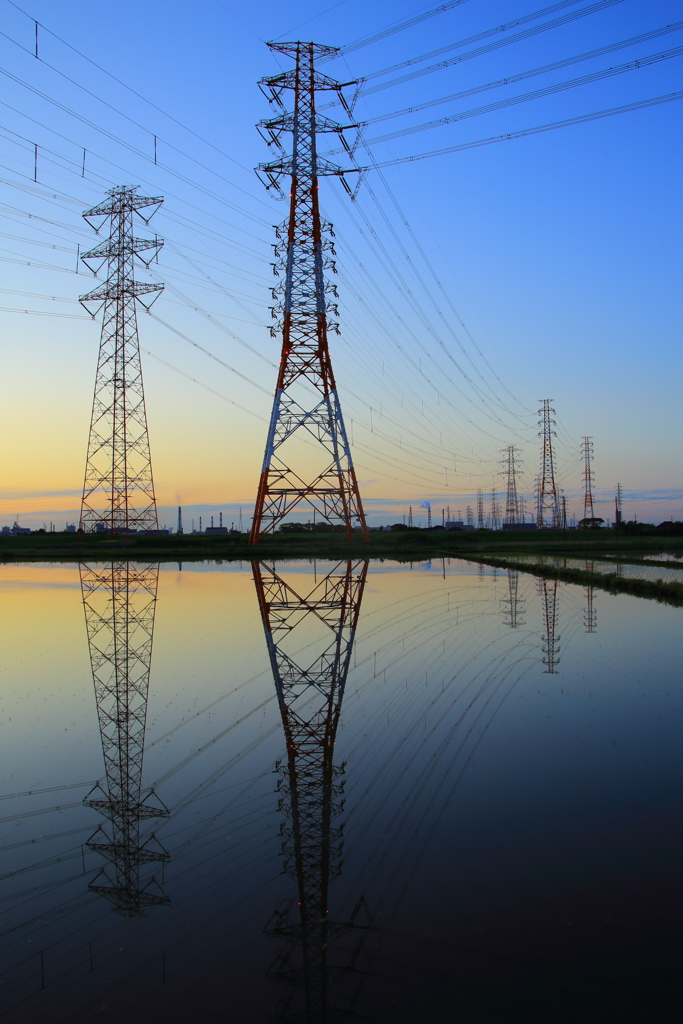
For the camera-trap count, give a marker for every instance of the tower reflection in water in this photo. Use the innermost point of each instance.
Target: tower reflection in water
(310, 638)
(120, 603)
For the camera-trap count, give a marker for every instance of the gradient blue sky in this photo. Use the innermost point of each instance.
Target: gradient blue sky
(561, 252)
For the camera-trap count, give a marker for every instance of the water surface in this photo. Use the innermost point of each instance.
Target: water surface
(434, 792)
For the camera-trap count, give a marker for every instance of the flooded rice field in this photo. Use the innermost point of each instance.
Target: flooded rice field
(634, 571)
(337, 791)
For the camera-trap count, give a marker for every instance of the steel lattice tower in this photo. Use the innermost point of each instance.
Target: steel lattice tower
(617, 507)
(548, 513)
(588, 512)
(120, 602)
(118, 491)
(291, 474)
(512, 513)
(480, 508)
(495, 510)
(310, 699)
(551, 641)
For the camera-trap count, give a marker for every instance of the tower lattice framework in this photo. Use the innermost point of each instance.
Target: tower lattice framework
(551, 647)
(310, 699)
(587, 449)
(512, 506)
(548, 512)
(118, 490)
(318, 476)
(480, 509)
(120, 602)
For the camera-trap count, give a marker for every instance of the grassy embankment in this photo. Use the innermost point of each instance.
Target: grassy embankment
(507, 550)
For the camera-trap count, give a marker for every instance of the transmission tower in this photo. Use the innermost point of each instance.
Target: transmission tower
(326, 481)
(588, 512)
(310, 699)
(551, 641)
(515, 604)
(617, 507)
(548, 502)
(118, 491)
(120, 602)
(495, 511)
(480, 508)
(512, 510)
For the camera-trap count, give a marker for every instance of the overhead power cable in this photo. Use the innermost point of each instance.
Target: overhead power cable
(582, 119)
(496, 45)
(34, 190)
(510, 101)
(441, 288)
(152, 135)
(208, 353)
(122, 142)
(486, 34)
(40, 312)
(375, 37)
(206, 387)
(522, 76)
(119, 81)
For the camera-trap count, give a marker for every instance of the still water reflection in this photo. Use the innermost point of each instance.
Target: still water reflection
(380, 792)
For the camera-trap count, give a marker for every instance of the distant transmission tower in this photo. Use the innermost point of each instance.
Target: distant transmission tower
(551, 640)
(617, 507)
(512, 510)
(120, 601)
(480, 508)
(588, 512)
(325, 482)
(548, 502)
(495, 511)
(118, 491)
(310, 696)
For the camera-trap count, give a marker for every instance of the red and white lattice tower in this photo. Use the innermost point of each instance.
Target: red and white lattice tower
(118, 491)
(548, 513)
(588, 512)
(319, 477)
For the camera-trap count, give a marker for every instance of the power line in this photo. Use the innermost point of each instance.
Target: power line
(510, 101)
(582, 119)
(490, 47)
(487, 33)
(375, 37)
(125, 85)
(522, 76)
